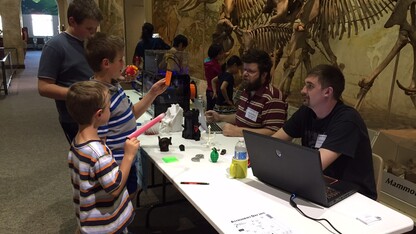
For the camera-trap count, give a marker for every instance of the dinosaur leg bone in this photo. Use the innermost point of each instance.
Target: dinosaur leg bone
(366, 83)
(411, 90)
(328, 50)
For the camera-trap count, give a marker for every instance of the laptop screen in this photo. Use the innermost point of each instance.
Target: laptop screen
(290, 167)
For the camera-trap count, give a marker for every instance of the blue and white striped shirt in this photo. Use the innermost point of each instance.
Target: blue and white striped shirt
(121, 124)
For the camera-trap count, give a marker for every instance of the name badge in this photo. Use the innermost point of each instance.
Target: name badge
(251, 114)
(320, 140)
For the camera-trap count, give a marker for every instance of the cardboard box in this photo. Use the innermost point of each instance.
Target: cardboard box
(390, 145)
(399, 146)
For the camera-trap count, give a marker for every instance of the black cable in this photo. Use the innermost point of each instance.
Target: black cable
(294, 205)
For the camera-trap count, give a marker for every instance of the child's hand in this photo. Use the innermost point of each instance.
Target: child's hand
(130, 147)
(158, 87)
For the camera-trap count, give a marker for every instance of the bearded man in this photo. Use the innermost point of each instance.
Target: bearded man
(261, 107)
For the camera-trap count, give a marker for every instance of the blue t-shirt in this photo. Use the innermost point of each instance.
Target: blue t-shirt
(63, 60)
(121, 123)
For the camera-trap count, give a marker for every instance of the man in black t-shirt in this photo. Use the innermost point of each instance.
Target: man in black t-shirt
(325, 123)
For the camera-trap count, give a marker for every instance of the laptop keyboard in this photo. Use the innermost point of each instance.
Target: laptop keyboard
(331, 193)
(215, 127)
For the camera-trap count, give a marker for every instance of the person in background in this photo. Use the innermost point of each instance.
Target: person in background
(173, 58)
(147, 42)
(63, 62)
(101, 201)
(105, 54)
(326, 124)
(223, 85)
(25, 37)
(261, 107)
(212, 68)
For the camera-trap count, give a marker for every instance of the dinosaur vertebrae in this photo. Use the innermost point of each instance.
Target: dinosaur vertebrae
(267, 38)
(337, 17)
(248, 13)
(188, 5)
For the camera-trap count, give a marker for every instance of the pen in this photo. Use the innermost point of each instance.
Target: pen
(200, 183)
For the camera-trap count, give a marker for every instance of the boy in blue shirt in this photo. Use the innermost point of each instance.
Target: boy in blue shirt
(105, 55)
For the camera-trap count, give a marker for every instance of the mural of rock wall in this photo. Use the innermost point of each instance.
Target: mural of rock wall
(113, 22)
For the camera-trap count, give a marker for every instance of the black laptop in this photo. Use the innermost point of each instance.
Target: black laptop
(295, 169)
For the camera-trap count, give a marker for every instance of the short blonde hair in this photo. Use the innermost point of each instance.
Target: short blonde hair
(83, 100)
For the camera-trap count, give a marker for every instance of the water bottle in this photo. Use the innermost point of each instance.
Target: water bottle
(240, 152)
(201, 108)
(201, 102)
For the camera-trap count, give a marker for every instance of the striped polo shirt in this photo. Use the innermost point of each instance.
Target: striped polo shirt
(265, 109)
(94, 175)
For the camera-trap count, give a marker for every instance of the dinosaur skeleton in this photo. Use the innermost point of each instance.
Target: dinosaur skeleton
(267, 38)
(246, 19)
(318, 20)
(242, 14)
(407, 34)
(322, 19)
(189, 5)
(270, 38)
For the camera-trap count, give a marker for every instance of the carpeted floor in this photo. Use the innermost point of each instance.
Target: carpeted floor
(35, 190)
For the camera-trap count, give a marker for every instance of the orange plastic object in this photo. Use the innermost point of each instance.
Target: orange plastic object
(131, 70)
(168, 77)
(192, 88)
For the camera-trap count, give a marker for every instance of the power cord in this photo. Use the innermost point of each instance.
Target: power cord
(294, 205)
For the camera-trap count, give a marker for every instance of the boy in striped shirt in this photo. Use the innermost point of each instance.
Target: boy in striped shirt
(105, 55)
(102, 203)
